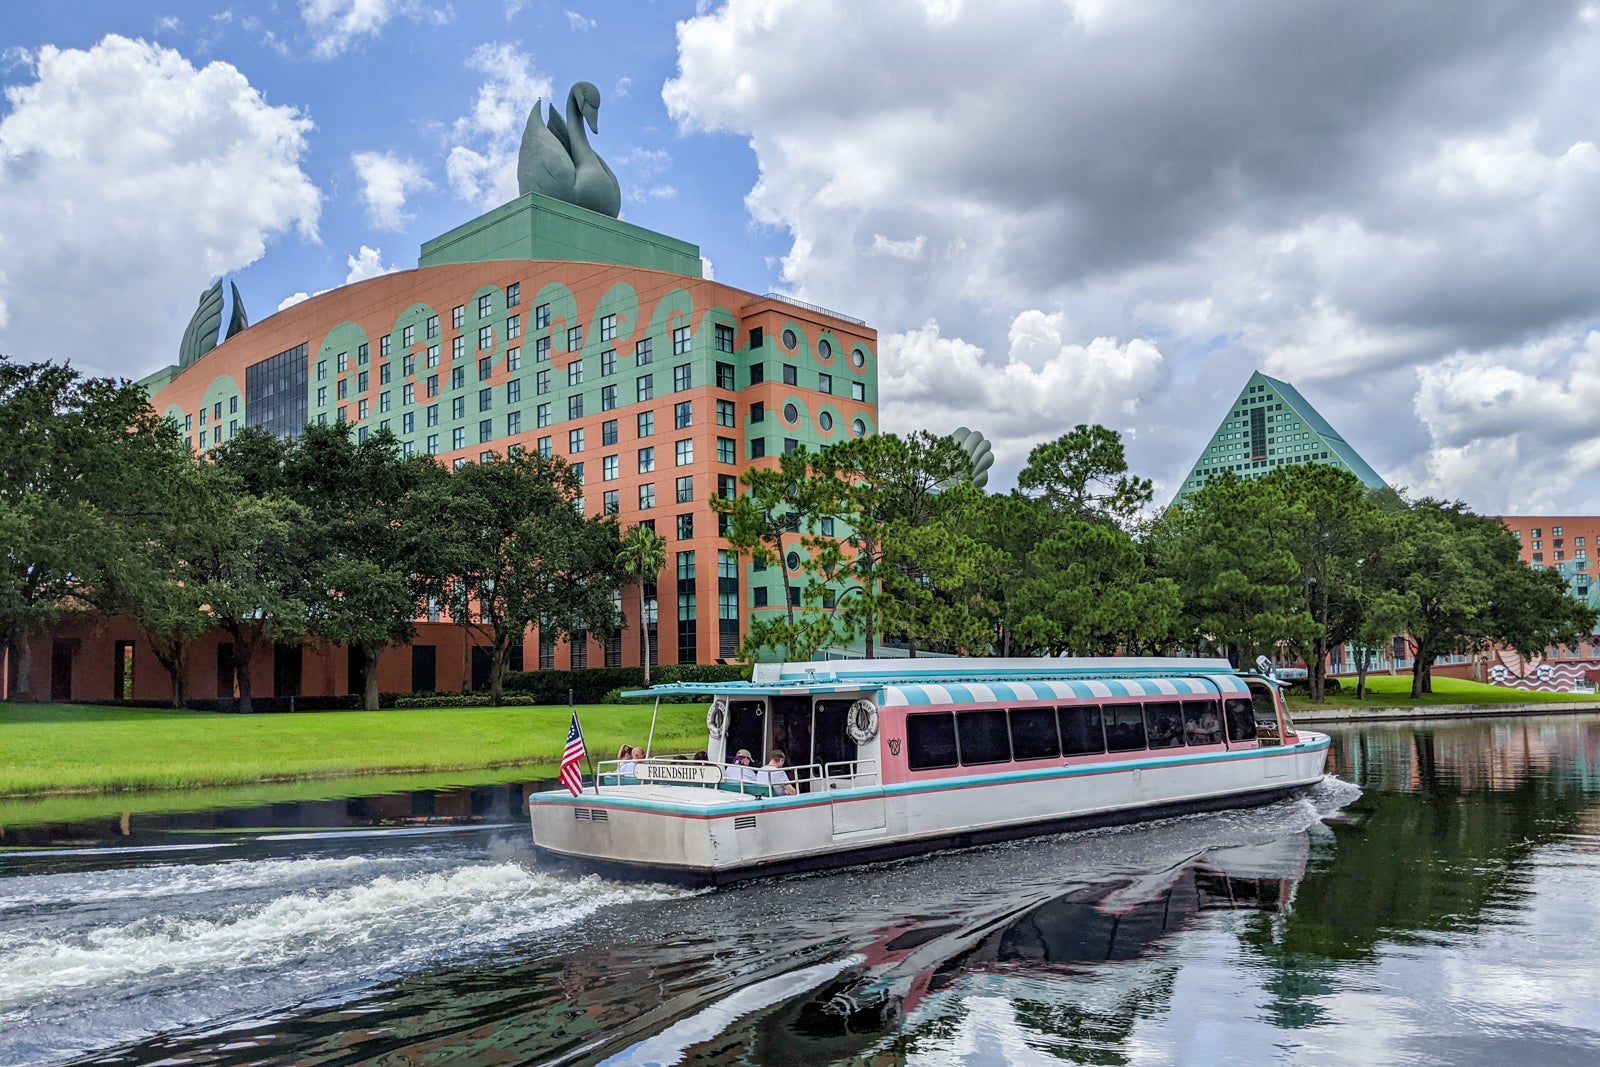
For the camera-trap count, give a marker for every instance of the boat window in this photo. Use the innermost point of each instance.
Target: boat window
(1202, 723)
(931, 741)
(1080, 730)
(1124, 727)
(1033, 733)
(747, 728)
(984, 737)
(1163, 724)
(1241, 719)
(831, 744)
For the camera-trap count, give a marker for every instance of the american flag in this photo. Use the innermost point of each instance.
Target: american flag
(570, 776)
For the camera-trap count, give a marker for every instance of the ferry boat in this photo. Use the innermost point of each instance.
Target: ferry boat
(890, 758)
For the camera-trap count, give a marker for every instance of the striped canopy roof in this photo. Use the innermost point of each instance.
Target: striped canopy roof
(1075, 689)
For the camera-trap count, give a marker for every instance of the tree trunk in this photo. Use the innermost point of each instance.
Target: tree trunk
(243, 652)
(174, 659)
(1317, 671)
(370, 655)
(497, 668)
(1361, 672)
(644, 634)
(1420, 683)
(23, 650)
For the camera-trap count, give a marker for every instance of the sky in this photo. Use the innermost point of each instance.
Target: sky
(1055, 212)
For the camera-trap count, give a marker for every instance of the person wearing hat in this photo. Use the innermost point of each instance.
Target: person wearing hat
(742, 766)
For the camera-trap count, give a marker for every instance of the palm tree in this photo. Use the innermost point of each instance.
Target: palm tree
(644, 553)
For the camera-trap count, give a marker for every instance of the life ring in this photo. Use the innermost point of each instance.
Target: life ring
(862, 721)
(717, 718)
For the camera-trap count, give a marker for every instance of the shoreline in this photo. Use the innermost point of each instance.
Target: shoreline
(1392, 713)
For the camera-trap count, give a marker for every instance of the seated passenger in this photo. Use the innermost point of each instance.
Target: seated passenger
(774, 777)
(627, 753)
(741, 767)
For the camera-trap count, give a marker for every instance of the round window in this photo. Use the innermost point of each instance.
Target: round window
(859, 358)
(790, 413)
(789, 339)
(824, 350)
(858, 428)
(792, 561)
(826, 420)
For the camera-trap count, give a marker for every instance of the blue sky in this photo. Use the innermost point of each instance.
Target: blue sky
(1053, 211)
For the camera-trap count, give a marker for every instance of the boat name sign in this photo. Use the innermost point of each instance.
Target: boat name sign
(679, 771)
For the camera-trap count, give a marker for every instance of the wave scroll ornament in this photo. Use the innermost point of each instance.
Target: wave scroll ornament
(556, 159)
(200, 336)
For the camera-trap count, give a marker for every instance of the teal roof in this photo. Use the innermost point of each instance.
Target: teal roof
(1352, 459)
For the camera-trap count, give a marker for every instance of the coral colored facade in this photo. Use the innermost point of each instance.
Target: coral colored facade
(663, 385)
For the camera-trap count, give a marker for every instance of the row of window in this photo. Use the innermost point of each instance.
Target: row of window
(939, 740)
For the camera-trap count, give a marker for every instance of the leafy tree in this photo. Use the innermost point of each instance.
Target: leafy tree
(516, 553)
(643, 555)
(1013, 525)
(1089, 592)
(1083, 474)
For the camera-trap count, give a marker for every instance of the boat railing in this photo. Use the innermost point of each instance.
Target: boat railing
(733, 778)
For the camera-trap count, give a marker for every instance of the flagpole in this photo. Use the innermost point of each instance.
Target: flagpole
(587, 755)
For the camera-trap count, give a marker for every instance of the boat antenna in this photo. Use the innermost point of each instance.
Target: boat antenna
(651, 740)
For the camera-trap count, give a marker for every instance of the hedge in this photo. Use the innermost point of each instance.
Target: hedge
(592, 686)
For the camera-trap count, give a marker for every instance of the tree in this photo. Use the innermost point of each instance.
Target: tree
(1089, 592)
(644, 553)
(1084, 475)
(1013, 525)
(515, 553)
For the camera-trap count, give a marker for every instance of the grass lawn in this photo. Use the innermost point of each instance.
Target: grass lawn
(54, 749)
(1386, 690)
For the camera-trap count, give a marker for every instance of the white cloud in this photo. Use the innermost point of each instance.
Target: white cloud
(578, 22)
(295, 298)
(336, 25)
(707, 271)
(1408, 190)
(367, 263)
(623, 87)
(129, 181)
(386, 181)
(482, 166)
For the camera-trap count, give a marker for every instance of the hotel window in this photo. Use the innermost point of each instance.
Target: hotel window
(685, 451)
(361, 387)
(610, 502)
(646, 423)
(725, 376)
(458, 438)
(686, 489)
(790, 446)
(758, 411)
(541, 416)
(727, 414)
(680, 340)
(575, 372)
(383, 346)
(726, 452)
(408, 395)
(608, 363)
(513, 294)
(608, 327)
(457, 317)
(545, 448)
(758, 448)
(608, 432)
(1582, 553)
(541, 317)
(541, 350)
(322, 370)
(1555, 531)
(723, 338)
(485, 369)
(1538, 544)
(485, 399)
(791, 375)
(647, 496)
(343, 361)
(574, 338)
(485, 305)
(727, 486)
(485, 431)
(408, 336)
(827, 527)
(433, 415)
(408, 422)
(362, 410)
(685, 527)
(575, 440)
(458, 407)
(858, 391)
(575, 406)
(458, 349)
(514, 359)
(683, 415)
(383, 401)
(608, 397)
(647, 460)
(682, 377)
(643, 352)
(541, 383)
(645, 387)
(457, 463)
(1578, 541)
(608, 469)
(1538, 557)
(433, 385)
(233, 431)
(758, 373)
(488, 457)
(322, 401)
(363, 351)
(432, 447)
(485, 338)
(408, 366)
(1537, 531)
(825, 383)
(1560, 555)
(433, 326)
(513, 326)
(514, 391)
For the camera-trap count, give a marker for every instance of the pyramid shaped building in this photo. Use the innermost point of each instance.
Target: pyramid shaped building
(1271, 425)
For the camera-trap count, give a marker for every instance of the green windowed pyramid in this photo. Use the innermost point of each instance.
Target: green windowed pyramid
(1271, 425)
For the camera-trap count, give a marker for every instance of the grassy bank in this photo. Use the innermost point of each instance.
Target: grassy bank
(57, 749)
(1394, 690)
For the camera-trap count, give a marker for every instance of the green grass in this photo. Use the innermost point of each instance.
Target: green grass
(58, 749)
(1386, 690)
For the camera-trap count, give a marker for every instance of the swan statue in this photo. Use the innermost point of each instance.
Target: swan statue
(557, 161)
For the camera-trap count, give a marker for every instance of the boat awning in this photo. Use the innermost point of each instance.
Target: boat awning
(742, 690)
(1075, 689)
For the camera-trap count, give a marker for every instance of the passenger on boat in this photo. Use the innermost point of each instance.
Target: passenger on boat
(775, 777)
(741, 768)
(628, 754)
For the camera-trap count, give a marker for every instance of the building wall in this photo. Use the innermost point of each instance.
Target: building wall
(462, 360)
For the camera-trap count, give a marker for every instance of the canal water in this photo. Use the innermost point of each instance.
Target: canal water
(1435, 900)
